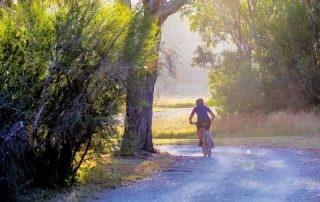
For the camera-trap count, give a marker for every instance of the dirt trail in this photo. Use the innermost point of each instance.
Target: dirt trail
(232, 174)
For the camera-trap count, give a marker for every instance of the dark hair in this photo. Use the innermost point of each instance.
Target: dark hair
(200, 102)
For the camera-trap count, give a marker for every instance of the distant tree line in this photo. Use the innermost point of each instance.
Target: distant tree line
(274, 63)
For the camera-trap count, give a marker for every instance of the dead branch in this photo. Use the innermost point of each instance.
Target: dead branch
(47, 83)
(14, 130)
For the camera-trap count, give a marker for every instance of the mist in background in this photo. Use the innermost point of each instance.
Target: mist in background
(189, 81)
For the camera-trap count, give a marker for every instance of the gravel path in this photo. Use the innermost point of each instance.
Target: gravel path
(232, 174)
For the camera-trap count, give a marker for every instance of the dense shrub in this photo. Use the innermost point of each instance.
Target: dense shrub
(61, 84)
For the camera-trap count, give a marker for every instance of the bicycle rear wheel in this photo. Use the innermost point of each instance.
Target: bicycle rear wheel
(204, 150)
(209, 151)
(207, 143)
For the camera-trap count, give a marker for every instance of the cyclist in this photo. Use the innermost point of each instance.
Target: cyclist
(203, 119)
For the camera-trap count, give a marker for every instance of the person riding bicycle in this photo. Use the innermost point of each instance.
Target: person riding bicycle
(203, 119)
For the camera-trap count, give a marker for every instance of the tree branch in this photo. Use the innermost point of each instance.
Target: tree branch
(169, 8)
(82, 158)
(127, 2)
(18, 126)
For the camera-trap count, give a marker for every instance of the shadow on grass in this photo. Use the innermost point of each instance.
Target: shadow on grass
(107, 172)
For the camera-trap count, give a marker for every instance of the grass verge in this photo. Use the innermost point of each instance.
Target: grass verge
(295, 142)
(101, 174)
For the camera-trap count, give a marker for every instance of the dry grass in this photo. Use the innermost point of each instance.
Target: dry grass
(282, 129)
(239, 125)
(173, 127)
(274, 124)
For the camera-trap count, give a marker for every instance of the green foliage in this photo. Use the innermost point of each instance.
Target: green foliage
(59, 75)
(286, 60)
(272, 63)
(142, 42)
(22, 56)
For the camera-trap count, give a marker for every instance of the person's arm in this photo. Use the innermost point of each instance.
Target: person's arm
(191, 116)
(211, 114)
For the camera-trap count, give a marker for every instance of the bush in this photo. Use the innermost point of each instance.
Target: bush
(61, 81)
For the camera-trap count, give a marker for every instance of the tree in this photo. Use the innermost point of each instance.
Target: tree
(273, 63)
(314, 20)
(142, 50)
(233, 81)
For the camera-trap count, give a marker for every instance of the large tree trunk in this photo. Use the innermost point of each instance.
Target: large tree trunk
(138, 123)
(138, 120)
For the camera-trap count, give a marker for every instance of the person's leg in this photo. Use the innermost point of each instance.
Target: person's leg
(199, 133)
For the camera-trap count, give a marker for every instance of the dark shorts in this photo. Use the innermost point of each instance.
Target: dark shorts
(204, 124)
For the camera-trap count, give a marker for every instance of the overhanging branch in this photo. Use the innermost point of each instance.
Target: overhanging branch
(127, 2)
(169, 8)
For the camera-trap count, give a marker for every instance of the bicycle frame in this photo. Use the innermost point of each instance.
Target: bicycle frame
(207, 142)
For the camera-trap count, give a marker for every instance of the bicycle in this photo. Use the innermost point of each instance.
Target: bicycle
(207, 141)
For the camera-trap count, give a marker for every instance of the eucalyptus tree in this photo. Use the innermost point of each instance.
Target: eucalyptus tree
(143, 47)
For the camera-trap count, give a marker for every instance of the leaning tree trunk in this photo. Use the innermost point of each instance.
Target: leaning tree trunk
(138, 120)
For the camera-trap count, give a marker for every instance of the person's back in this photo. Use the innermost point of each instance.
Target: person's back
(203, 119)
(202, 113)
